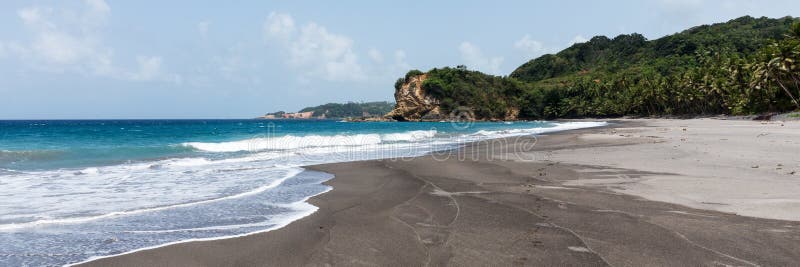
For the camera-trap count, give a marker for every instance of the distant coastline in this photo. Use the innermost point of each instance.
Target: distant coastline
(294, 115)
(349, 110)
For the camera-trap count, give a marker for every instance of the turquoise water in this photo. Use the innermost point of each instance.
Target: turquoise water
(75, 190)
(38, 145)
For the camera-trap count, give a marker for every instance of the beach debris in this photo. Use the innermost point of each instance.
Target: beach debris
(764, 117)
(714, 203)
(442, 193)
(689, 213)
(579, 249)
(754, 166)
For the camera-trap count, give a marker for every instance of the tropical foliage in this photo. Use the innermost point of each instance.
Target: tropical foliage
(351, 109)
(744, 66)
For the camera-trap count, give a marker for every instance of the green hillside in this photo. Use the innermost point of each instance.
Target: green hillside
(351, 109)
(743, 66)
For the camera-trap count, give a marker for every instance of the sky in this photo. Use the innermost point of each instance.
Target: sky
(109, 59)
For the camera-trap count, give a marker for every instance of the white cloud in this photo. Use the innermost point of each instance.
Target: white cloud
(68, 41)
(474, 58)
(60, 44)
(400, 60)
(230, 66)
(578, 39)
(279, 26)
(531, 48)
(315, 50)
(98, 6)
(202, 28)
(32, 16)
(149, 68)
(375, 55)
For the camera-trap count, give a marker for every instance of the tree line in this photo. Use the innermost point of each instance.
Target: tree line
(743, 66)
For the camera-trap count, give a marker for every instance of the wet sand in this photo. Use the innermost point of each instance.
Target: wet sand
(640, 192)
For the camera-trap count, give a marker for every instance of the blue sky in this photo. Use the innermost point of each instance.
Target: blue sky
(206, 59)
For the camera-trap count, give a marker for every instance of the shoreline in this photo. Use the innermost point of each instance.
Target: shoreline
(305, 200)
(311, 168)
(278, 226)
(404, 206)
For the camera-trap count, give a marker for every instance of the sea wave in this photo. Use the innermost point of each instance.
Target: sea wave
(28, 154)
(539, 130)
(409, 136)
(302, 209)
(14, 226)
(290, 142)
(7, 172)
(294, 142)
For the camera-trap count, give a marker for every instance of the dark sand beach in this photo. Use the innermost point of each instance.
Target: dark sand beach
(622, 195)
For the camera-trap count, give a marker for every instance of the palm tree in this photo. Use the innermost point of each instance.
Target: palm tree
(782, 64)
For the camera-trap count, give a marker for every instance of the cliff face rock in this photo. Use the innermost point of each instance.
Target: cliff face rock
(512, 114)
(413, 104)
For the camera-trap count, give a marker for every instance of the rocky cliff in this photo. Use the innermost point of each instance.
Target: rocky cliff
(412, 103)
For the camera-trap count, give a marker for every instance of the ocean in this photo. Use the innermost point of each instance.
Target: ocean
(75, 190)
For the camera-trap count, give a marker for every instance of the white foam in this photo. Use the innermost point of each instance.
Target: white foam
(191, 162)
(15, 226)
(287, 142)
(88, 171)
(539, 130)
(304, 209)
(294, 142)
(409, 136)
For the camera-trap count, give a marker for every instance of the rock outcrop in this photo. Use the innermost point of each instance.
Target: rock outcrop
(512, 114)
(412, 103)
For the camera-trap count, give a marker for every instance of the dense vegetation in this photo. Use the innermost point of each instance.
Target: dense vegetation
(460, 87)
(351, 109)
(743, 66)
